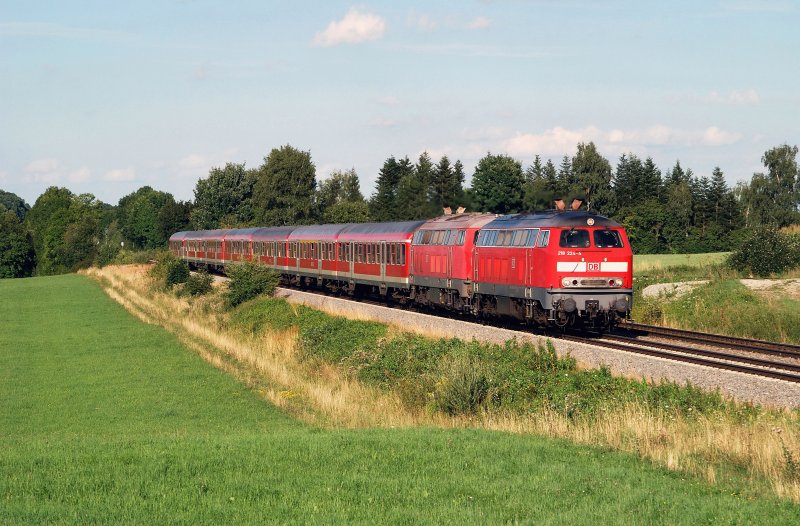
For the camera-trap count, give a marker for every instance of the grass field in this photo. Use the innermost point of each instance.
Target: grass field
(646, 262)
(105, 419)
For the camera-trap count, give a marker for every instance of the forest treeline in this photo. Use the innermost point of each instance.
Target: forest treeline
(670, 210)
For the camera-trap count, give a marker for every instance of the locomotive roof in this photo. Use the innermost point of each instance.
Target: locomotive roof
(470, 220)
(552, 218)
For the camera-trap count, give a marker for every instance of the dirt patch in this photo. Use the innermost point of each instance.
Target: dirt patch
(788, 287)
(673, 290)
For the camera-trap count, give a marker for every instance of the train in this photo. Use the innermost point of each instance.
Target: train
(555, 268)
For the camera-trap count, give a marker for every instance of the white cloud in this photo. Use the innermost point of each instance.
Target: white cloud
(421, 22)
(80, 175)
(560, 141)
(46, 171)
(193, 161)
(120, 174)
(555, 141)
(354, 28)
(479, 22)
(40, 166)
(713, 136)
(381, 122)
(389, 100)
(3, 176)
(747, 97)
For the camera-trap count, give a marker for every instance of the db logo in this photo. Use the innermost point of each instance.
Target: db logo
(593, 267)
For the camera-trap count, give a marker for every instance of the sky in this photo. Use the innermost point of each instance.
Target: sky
(106, 97)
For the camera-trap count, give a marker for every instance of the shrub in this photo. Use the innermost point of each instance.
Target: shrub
(248, 280)
(177, 272)
(199, 283)
(462, 387)
(170, 270)
(766, 251)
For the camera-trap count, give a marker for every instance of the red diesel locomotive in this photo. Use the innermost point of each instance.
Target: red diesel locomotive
(554, 268)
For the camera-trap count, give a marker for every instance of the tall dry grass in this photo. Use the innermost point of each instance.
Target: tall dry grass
(768, 449)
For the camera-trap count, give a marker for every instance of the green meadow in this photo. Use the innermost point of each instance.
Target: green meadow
(645, 262)
(104, 419)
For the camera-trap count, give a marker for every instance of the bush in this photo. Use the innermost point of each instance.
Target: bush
(248, 280)
(170, 270)
(766, 251)
(199, 283)
(462, 387)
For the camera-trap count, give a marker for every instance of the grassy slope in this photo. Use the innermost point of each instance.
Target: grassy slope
(104, 419)
(642, 262)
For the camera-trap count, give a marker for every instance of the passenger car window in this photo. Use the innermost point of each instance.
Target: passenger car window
(607, 239)
(574, 238)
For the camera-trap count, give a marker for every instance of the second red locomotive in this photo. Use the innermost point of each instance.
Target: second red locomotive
(554, 268)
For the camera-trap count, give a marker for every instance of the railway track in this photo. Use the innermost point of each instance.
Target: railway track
(731, 342)
(719, 357)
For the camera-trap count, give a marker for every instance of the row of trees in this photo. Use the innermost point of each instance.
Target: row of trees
(664, 211)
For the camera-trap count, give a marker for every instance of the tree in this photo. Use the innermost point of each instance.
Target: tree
(773, 198)
(17, 257)
(174, 216)
(340, 200)
(591, 173)
(724, 209)
(535, 171)
(650, 183)
(338, 188)
(497, 184)
(414, 188)
(383, 203)
(139, 217)
(628, 174)
(14, 203)
(447, 185)
(224, 198)
(65, 230)
(539, 192)
(284, 190)
(347, 212)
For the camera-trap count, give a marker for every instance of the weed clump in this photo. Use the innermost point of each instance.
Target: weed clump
(248, 280)
(169, 270)
(199, 284)
(462, 386)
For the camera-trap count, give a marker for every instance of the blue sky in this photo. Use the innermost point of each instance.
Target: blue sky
(105, 97)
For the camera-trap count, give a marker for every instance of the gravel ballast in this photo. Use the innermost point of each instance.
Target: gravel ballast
(739, 386)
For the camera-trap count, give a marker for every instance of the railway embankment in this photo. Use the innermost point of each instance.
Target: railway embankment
(736, 385)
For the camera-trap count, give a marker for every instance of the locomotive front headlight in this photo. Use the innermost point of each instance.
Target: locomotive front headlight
(565, 282)
(618, 282)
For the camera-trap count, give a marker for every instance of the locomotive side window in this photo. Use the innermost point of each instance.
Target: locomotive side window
(532, 235)
(544, 238)
(460, 240)
(574, 239)
(607, 239)
(486, 238)
(402, 255)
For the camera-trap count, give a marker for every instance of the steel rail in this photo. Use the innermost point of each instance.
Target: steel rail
(733, 342)
(689, 356)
